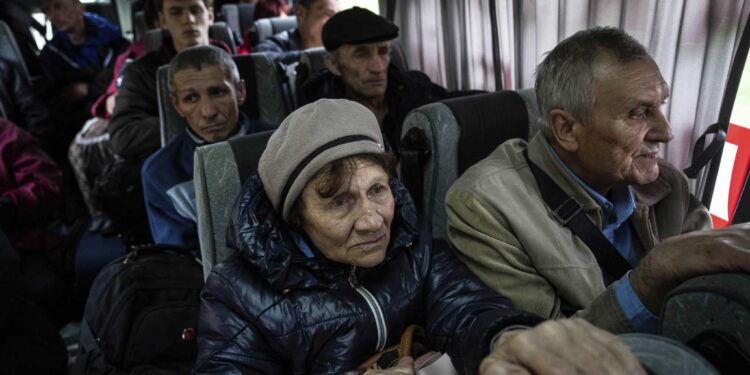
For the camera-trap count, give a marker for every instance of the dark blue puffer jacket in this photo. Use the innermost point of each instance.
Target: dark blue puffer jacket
(269, 309)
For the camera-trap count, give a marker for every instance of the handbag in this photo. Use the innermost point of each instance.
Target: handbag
(413, 343)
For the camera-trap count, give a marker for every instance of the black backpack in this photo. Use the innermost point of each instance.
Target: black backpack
(141, 314)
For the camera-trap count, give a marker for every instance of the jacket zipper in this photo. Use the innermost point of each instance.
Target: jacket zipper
(377, 311)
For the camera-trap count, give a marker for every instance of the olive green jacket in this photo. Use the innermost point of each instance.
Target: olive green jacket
(504, 232)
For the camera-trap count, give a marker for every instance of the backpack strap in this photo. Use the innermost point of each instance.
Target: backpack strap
(567, 211)
(87, 346)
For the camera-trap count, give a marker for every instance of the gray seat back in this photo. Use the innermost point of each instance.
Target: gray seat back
(239, 17)
(9, 50)
(220, 169)
(266, 27)
(139, 25)
(170, 122)
(265, 98)
(454, 134)
(154, 38)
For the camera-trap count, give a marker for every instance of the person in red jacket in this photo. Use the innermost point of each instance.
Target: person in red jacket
(30, 184)
(29, 181)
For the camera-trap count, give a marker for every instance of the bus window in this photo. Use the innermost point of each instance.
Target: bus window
(730, 177)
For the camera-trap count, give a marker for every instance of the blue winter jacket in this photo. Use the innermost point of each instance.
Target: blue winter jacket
(269, 309)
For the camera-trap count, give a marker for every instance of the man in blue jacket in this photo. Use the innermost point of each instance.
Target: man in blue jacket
(78, 61)
(207, 91)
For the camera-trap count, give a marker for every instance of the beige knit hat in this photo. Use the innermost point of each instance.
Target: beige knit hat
(308, 139)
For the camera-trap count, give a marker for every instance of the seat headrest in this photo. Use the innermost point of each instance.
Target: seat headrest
(484, 120)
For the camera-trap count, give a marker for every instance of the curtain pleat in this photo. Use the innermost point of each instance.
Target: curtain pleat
(692, 41)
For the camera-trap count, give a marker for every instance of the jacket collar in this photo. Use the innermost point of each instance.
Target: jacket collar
(539, 152)
(264, 240)
(243, 124)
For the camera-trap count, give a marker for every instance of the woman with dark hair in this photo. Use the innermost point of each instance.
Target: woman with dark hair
(332, 264)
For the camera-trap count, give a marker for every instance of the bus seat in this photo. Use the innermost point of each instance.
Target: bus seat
(398, 56)
(239, 17)
(139, 25)
(266, 27)
(9, 50)
(220, 169)
(154, 38)
(441, 140)
(265, 96)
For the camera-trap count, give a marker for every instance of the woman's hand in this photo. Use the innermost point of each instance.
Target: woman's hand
(569, 346)
(405, 365)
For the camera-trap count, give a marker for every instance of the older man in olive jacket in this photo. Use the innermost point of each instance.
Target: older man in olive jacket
(601, 95)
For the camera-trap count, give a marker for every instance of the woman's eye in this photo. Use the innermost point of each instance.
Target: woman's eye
(189, 98)
(340, 202)
(377, 190)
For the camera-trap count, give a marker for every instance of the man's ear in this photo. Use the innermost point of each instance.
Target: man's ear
(299, 12)
(241, 92)
(161, 18)
(210, 15)
(175, 104)
(330, 62)
(563, 126)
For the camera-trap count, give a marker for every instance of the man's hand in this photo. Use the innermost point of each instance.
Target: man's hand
(680, 258)
(405, 365)
(109, 104)
(568, 346)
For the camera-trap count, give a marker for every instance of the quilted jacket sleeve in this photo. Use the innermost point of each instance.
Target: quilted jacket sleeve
(463, 314)
(228, 341)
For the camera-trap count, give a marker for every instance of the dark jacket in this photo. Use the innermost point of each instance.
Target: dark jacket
(168, 189)
(20, 104)
(284, 47)
(269, 309)
(405, 91)
(64, 63)
(134, 126)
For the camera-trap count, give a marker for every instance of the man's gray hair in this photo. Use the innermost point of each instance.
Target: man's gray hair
(565, 79)
(199, 57)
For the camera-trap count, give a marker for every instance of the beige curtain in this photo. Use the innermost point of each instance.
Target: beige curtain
(692, 41)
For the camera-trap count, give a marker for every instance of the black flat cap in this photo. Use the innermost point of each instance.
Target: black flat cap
(356, 26)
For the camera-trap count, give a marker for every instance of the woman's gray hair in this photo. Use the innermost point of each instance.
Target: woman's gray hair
(199, 57)
(565, 79)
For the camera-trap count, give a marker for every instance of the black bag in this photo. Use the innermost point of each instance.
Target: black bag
(141, 314)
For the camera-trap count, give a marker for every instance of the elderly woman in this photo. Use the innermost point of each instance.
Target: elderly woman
(333, 264)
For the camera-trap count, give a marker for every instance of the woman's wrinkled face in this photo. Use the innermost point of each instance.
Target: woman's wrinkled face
(354, 225)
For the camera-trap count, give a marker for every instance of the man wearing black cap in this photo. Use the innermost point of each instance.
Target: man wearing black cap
(358, 61)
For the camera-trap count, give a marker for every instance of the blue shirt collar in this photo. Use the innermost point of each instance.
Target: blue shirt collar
(616, 211)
